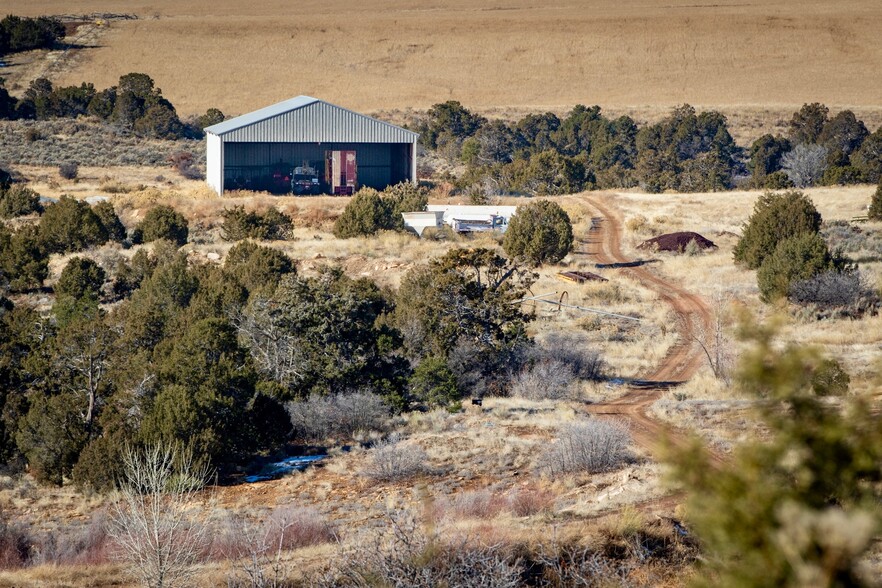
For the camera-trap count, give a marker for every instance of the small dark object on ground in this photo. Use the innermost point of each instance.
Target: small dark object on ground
(581, 277)
(619, 264)
(477, 401)
(677, 242)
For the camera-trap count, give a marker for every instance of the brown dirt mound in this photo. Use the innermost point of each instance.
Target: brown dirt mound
(676, 242)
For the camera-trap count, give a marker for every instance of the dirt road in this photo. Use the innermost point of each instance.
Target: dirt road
(683, 359)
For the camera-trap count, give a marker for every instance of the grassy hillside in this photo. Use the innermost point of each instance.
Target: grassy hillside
(513, 54)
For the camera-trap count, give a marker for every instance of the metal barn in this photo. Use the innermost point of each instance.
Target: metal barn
(308, 146)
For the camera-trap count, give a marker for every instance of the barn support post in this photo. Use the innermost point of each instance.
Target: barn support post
(214, 164)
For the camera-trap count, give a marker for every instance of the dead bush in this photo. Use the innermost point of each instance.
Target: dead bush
(576, 565)
(546, 379)
(68, 170)
(592, 446)
(574, 351)
(339, 416)
(16, 544)
(526, 502)
(316, 218)
(154, 519)
(830, 289)
(393, 459)
(405, 555)
(477, 504)
(256, 547)
(294, 527)
(112, 186)
(87, 544)
(185, 163)
(32, 134)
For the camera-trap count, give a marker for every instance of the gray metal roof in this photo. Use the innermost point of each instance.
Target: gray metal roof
(309, 120)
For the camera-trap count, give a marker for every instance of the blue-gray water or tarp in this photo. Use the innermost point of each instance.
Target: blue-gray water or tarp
(286, 466)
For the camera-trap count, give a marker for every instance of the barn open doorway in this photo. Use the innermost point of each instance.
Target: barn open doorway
(341, 171)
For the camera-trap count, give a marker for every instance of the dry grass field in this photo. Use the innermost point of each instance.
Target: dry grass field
(761, 59)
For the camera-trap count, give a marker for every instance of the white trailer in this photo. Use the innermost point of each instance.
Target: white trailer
(484, 217)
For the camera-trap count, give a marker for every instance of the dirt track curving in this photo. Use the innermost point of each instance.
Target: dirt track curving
(682, 360)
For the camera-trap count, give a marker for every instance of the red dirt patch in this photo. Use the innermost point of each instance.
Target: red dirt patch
(677, 242)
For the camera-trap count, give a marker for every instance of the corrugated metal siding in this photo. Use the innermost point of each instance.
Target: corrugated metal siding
(320, 122)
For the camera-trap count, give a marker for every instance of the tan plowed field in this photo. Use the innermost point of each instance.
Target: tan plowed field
(760, 57)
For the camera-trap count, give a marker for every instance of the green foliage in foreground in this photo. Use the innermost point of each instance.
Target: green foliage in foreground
(80, 278)
(540, 232)
(18, 201)
(239, 224)
(71, 225)
(775, 217)
(24, 262)
(797, 258)
(162, 222)
(433, 383)
(256, 267)
(370, 211)
(875, 211)
(461, 307)
(325, 335)
(800, 507)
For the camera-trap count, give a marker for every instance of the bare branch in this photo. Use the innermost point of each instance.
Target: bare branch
(151, 520)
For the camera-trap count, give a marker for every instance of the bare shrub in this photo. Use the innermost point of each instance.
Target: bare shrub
(185, 163)
(714, 340)
(89, 544)
(576, 565)
(394, 460)
(478, 504)
(68, 170)
(592, 446)
(805, 164)
(32, 134)
(548, 379)
(637, 223)
(405, 555)
(844, 236)
(256, 548)
(829, 289)
(340, 416)
(574, 351)
(525, 502)
(303, 526)
(16, 544)
(152, 522)
(112, 186)
(316, 218)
